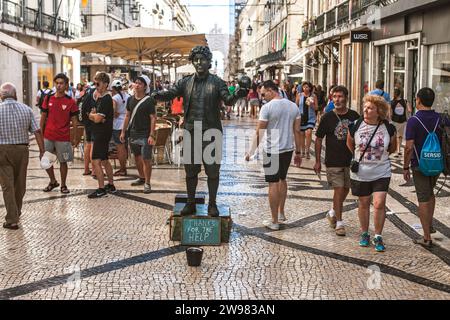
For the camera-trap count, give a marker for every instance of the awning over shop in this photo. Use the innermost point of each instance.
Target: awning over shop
(32, 54)
(298, 57)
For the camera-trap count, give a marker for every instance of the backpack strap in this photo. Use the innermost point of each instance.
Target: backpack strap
(390, 128)
(435, 127)
(428, 131)
(355, 127)
(437, 124)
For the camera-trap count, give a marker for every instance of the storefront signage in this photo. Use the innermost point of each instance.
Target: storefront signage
(361, 36)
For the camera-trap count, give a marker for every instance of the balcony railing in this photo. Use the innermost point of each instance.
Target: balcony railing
(305, 32)
(320, 23)
(279, 55)
(12, 13)
(343, 15)
(359, 7)
(250, 63)
(348, 11)
(330, 17)
(16, 14)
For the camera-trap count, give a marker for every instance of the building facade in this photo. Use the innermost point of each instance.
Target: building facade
(101, 16)
(41, 24)
(268, 34)
(357, 42)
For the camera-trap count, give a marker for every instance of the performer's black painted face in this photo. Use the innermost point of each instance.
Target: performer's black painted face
(201, 64)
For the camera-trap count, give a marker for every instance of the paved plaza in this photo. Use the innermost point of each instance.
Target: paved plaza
(118, 247)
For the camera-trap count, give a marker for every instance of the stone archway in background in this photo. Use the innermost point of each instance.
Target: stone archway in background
(219, 41)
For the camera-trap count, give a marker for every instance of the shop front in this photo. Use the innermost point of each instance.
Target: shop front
(396, 62)
(439, 74)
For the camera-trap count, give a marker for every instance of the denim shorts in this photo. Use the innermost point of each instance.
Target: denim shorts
(140, 147)
(62, 149)
(116, 136)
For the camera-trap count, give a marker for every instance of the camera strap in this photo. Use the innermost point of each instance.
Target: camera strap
(370, 141)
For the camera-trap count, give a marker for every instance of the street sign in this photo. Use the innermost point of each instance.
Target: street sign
(361, 36)
(201, 231)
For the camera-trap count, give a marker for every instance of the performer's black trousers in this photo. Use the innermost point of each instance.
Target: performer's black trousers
(191, 152)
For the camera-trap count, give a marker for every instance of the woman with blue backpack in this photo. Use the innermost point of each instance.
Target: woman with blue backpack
(423, 154)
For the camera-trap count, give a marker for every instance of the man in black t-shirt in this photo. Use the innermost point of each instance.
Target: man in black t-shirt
(399, 117)
(140, 122)
(334, 126)
(102, 117)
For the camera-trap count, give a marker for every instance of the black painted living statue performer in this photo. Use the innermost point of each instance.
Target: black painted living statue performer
(202, 94)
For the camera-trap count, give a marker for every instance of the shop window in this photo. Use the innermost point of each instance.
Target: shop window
(439, 75)
(380, 63)
(397, 67)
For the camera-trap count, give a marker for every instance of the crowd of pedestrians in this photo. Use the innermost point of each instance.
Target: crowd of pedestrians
(357, 147)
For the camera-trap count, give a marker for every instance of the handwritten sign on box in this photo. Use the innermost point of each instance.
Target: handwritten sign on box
(200, 231)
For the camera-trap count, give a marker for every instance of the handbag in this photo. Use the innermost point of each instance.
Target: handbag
(354, 166)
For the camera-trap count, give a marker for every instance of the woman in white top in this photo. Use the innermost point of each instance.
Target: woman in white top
(120, 99)
(372, 139)
(308, 104)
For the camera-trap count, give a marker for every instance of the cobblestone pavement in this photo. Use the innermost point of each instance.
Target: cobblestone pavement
(118, 247)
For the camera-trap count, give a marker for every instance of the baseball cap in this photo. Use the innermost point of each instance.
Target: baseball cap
(146, 80)
(116, 84)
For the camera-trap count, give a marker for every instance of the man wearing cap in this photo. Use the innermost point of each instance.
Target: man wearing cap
(202, 95)
(139, 124)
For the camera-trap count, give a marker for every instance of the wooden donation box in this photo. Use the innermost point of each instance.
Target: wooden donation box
(200, 229)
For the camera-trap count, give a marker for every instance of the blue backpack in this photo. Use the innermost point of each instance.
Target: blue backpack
(431, 160)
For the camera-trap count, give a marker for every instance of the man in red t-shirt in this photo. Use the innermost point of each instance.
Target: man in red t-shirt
(57, 112)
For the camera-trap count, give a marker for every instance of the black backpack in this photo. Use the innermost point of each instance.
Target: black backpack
(42, 97)
(86, 105)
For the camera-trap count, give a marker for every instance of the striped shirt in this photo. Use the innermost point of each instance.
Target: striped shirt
(16, 122)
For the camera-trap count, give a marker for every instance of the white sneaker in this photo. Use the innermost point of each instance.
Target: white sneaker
(272, 226)
(282, 217)
(138, 182)
(147, 188)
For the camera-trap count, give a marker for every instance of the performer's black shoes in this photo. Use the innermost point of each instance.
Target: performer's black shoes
(189, 209)
(213, 211)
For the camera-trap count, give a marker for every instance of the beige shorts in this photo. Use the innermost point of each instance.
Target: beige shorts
(400, 127)
(339, 177)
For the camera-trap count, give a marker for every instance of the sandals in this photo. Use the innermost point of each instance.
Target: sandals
(64, 190)
(51, 186)
(120, 173)
(423, 242)
(87, 173)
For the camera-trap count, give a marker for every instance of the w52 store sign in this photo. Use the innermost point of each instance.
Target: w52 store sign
(360, 36)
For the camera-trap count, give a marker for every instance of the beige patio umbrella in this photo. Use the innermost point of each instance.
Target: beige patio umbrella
(139, 43)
